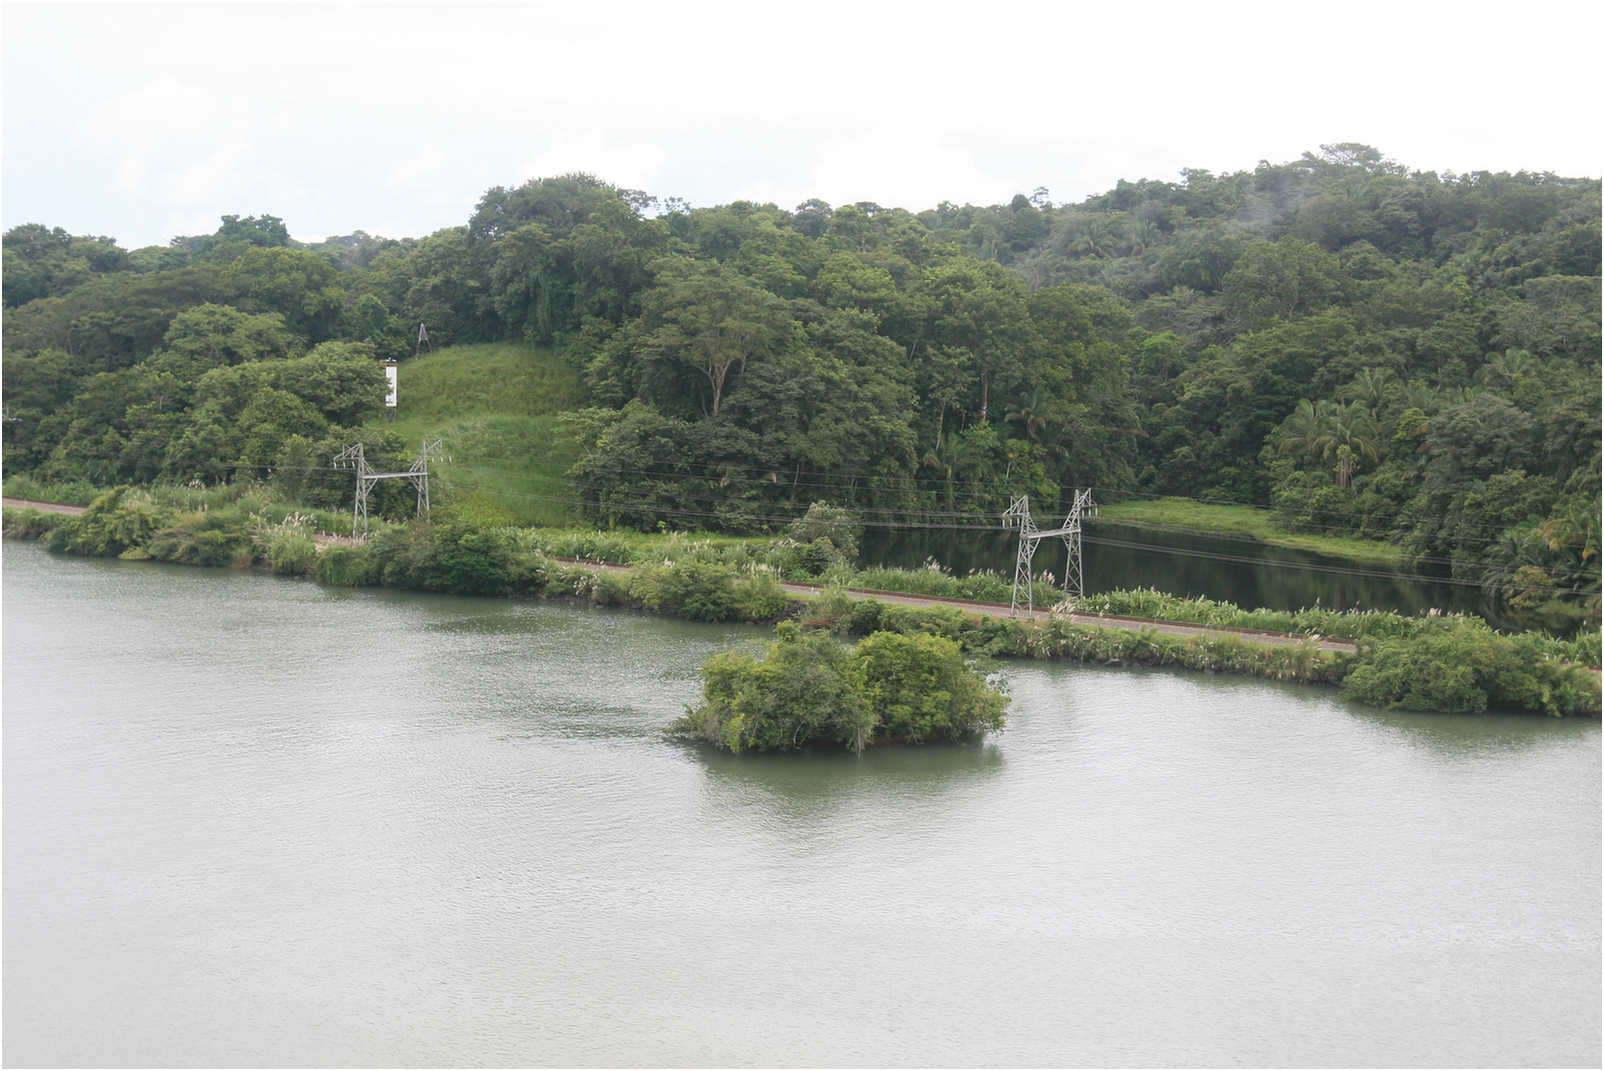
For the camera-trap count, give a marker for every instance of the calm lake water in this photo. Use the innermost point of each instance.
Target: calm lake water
(253, 821)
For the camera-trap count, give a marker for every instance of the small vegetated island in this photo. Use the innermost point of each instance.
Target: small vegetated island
(810, 688)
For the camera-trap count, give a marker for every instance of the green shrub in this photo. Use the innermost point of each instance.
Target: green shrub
(114, 522)
(645, 586)
(349, 567)
(933, 621)
(761, 598)
(1582, 648)
(831, 525)
(31, 523)
(200, 539)
(993, 637)
(698, 591)
(565, 583)
(218, 547)
(810, 559)
(864, 616)
(395, 548)
(292, 554)
(609, 590)
(830, 610)
(919, 687)
(462, 558)
(528, 570)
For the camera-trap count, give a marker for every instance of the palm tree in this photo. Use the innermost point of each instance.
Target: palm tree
(1307, 430)
(948, 459)
(1090, 236)
(1503, 369)
(1029, 416)
(1342, 434)
(1514, 573)
(1576, 529)
(1139, 234)
(1351, 435)
(1369, 386)
(1418, 394)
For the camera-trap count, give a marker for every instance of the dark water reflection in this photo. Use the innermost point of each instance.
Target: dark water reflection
(831, 780)
(1186, 564)
(1496, 736)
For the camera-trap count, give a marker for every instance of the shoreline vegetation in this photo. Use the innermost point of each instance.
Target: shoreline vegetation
(1447, 663)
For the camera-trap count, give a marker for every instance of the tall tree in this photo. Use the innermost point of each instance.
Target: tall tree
(713, 320)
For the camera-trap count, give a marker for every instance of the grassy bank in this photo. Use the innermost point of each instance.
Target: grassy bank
(1251, 521)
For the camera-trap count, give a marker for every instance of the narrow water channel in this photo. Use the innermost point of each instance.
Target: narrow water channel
(254, 821)
(1228, 569)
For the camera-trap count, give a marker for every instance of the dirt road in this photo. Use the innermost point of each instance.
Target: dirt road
(42, 507)
(992, 609)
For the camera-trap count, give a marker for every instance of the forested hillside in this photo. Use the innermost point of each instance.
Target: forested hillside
(1369, 350)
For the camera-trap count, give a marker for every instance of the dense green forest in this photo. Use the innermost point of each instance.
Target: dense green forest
(1367, 349)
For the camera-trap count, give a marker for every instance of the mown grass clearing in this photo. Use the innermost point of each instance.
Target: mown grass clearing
(499, 377)
(497, 409)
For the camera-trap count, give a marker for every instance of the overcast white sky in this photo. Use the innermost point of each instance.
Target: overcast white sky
(146, 121)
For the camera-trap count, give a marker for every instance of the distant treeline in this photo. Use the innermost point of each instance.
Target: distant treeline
(1402, 355)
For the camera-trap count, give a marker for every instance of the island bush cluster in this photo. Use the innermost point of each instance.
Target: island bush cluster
(809, 688)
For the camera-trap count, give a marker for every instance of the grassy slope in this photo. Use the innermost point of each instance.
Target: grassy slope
(497, 409)
(1247, 520)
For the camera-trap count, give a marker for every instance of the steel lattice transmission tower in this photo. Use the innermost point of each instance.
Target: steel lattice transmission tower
(366, 479)
(1018, 512)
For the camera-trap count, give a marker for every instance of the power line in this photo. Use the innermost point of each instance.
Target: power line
(992, 491)
(653, 508)
(936, 512)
